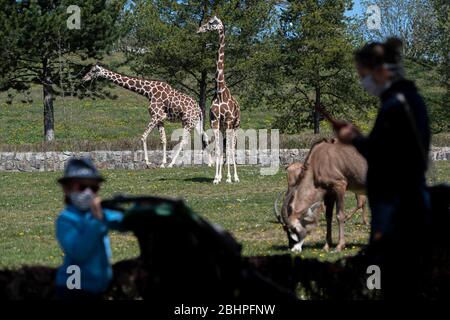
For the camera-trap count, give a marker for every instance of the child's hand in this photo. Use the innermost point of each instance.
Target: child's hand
(96, 208)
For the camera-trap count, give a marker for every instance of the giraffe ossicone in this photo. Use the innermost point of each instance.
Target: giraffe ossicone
(166, 104)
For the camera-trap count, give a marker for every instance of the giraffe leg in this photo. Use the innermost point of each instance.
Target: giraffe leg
(220, 165)
(233, 149)
(217, 142)
(147, 131)
(184, 140)
(206, 139)
(229, 152)
(222, 154)
(162, 134)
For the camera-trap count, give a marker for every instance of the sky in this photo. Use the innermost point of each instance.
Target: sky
(358, 9)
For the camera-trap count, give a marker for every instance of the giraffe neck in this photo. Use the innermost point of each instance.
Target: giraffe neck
(129, 83)
(220, 76)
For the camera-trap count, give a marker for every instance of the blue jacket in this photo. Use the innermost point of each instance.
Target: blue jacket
(85, 243)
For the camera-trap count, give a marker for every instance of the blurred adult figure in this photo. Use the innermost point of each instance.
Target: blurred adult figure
(397, 155)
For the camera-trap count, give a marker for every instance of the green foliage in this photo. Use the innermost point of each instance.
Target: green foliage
(166, 31)
(413, 21)
(42, 50)
(43, 44)
(316, 66)
(281, 58)
(91, 124)
(424, 27)
(442, 112)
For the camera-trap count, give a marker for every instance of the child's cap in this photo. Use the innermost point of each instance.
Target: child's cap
(81, 168)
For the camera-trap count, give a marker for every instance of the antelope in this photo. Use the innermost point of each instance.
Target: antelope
(330, 169)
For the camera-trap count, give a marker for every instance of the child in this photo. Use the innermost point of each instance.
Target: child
(82, 232)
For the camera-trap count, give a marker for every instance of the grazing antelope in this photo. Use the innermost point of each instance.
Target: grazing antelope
(329, 170)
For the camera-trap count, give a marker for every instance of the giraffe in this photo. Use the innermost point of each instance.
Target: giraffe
(166, 103)
(225, 112)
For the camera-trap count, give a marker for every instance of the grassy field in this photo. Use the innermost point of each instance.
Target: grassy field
(118, 123)
(85, 125)
(30, 202)
(91, 124)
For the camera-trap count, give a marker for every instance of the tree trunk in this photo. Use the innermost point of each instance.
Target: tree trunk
(49, 130)
(316, 115)
(202, 102)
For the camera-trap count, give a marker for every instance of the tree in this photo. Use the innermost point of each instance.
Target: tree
(162, 42)
(317, 64)
(441, 114)
(413, 21)
(45, 46)
(424, 28)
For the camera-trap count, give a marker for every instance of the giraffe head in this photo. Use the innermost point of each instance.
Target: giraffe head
(213, 24)
(95, 72)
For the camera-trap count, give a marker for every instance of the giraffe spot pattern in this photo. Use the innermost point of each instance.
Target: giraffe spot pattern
(166, 103)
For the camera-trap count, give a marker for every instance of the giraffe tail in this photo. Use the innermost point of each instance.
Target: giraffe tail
(205, 139)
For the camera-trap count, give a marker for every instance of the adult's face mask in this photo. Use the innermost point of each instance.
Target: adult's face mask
(82, 200)
(369, 84)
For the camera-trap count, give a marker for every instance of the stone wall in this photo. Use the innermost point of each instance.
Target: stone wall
(133, 160)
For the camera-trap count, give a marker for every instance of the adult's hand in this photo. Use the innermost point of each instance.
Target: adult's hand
(346, 132)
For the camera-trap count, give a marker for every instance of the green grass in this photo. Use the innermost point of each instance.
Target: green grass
(121, 120)
(118, 123)
(85, 125)
(30, 202)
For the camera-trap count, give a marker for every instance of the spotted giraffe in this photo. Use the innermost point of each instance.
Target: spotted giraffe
(225, 112)
(166, 103)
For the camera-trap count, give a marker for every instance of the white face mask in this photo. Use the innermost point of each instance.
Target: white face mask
(82, 200)
(369, 84)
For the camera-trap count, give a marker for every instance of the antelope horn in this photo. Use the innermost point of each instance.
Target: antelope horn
(284, 211)
(311, 212)
(316, 205)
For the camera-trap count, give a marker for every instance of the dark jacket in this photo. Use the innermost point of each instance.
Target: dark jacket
(396, 163)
